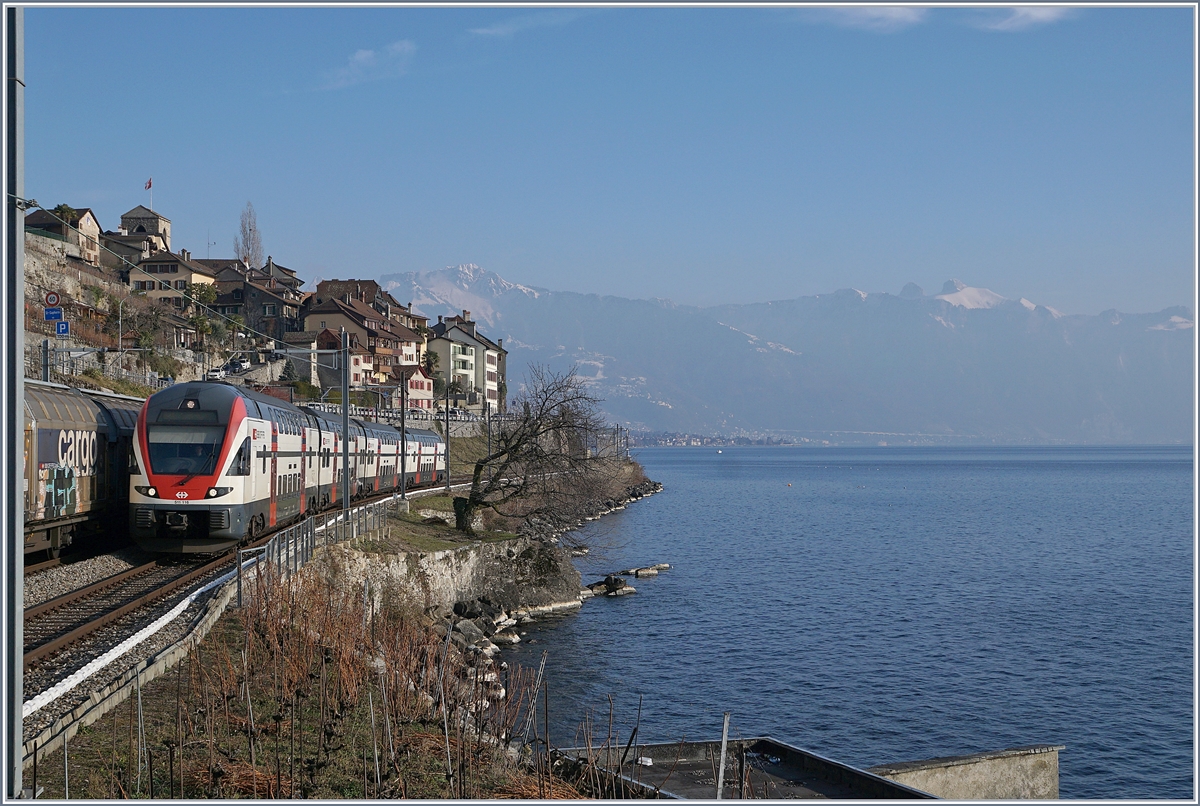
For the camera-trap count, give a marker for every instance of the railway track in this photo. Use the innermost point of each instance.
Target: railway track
(60, 622)
(68, 619)
(42, 566)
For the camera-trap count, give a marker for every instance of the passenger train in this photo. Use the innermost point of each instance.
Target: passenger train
(215, 465)
(77, 451)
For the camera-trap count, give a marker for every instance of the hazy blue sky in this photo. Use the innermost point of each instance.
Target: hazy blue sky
(705, 155)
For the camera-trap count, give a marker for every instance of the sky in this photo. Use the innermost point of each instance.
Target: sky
(704, 155)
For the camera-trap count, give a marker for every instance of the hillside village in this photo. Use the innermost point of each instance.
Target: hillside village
(145, 312)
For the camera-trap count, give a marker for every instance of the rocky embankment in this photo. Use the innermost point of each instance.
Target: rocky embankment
(480, 594)
(554, 525)
(515, 582)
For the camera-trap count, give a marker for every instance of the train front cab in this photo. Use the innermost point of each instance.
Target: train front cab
(193, 490)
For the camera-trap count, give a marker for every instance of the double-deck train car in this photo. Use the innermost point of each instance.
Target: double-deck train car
(77, 450)
(217, 464)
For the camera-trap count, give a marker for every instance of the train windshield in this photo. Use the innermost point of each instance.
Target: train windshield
(191, 450)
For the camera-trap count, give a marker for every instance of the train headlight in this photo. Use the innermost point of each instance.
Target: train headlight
(217, 492)
(150, 491)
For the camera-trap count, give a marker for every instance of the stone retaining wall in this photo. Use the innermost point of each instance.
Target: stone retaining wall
(517, 575)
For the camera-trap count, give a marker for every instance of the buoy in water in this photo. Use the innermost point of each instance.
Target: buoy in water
(718, 451)
(789, 484)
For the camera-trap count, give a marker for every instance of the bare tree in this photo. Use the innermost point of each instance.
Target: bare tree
(541, 459)
(247, 244)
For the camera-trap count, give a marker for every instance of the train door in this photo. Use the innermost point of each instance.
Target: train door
(29, 462)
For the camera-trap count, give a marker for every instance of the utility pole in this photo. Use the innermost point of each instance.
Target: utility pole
(12, 398)
(449, 376)
(403, 435)
(345, 420)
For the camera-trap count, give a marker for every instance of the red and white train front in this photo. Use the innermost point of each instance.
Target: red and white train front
(218, 464)
(193, 489)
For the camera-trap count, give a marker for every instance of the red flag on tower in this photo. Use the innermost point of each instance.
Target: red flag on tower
(149, 182)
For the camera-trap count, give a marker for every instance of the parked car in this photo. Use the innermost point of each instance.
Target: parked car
(239, 363)
(419, 414)
(216, 374)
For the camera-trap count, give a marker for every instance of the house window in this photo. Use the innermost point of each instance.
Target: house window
(237, 293)
(173, 268)
(152, 269)
(164, 285)
(491, 359)
(268, 310)
(178, 302)
(322, 324)
(181, 284)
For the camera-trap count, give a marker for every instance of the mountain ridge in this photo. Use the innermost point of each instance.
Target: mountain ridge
(966, 364)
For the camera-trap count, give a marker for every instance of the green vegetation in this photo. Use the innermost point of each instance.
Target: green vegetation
(163, 364)
(441, 503)
(464, 453)
(306, 391)
(118, 385)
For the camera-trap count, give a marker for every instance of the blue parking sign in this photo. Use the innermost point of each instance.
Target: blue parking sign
(62, 329)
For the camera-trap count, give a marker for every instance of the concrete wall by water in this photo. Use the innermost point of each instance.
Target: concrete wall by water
(1018, 773)
(521, 574)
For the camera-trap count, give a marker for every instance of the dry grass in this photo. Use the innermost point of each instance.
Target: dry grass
(297, 696)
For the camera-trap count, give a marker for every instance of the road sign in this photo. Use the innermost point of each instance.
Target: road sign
(53, 314)
(62, 329)
(52, 299)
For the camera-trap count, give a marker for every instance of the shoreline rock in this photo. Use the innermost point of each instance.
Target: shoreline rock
(483, 623)
(551, 527)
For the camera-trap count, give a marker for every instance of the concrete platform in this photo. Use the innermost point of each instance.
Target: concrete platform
(770, 769)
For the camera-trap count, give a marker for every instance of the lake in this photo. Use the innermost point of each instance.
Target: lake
(897, 604)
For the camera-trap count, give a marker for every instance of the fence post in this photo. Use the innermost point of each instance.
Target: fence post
(239, 578)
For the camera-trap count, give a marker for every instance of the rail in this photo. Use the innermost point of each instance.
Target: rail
(64, 639)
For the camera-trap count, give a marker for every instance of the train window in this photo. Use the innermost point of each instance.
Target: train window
(189, 450)
(241, 462)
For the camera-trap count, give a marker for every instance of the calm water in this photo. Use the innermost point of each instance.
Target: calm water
(900, 603)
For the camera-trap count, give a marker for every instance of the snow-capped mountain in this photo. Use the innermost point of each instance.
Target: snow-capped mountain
(457, 288)
(958, 293)
(966, 364)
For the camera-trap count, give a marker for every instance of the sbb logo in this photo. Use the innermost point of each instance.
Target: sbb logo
(181, 495)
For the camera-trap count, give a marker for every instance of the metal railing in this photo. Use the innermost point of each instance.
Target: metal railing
(65, 367)
(291, 549)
